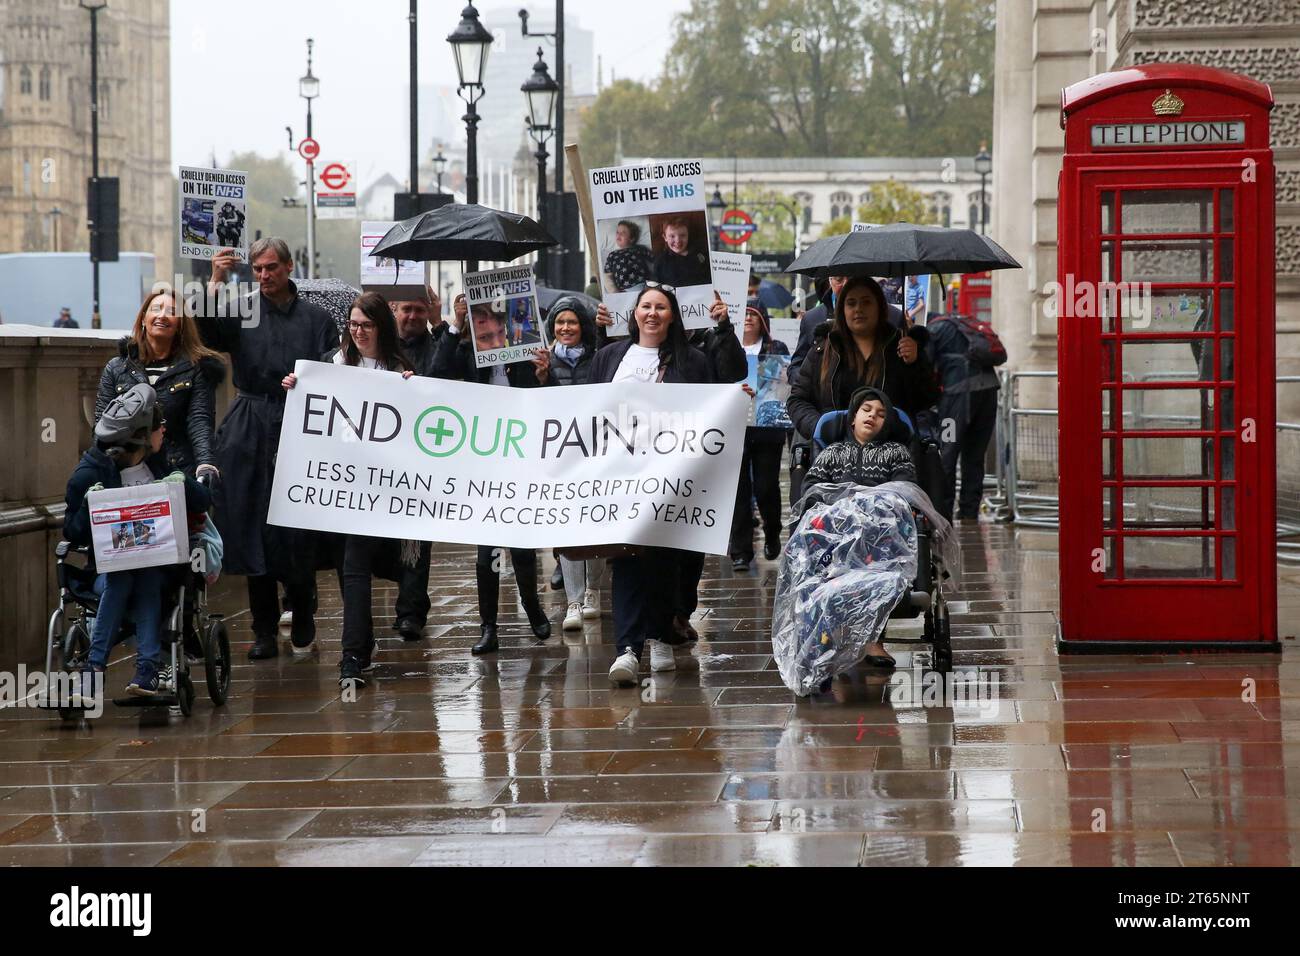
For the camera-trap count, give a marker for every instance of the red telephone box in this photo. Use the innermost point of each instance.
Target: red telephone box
(1167, 365)
(975, 296)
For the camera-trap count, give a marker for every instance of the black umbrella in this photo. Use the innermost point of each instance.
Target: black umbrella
(461, 231)
(902, 249)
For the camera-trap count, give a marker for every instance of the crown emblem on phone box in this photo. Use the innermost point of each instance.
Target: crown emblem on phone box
(1167, 104)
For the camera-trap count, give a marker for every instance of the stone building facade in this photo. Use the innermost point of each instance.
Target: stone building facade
(1045, 45)
(45, 142)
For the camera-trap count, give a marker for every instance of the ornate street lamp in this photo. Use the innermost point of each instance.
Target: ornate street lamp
(983, 166)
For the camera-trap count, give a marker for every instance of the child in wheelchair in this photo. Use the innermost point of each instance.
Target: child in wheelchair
(128, 438)
(855, 551)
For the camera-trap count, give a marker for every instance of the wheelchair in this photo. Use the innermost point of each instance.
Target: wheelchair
(925, 598)
(188, 630)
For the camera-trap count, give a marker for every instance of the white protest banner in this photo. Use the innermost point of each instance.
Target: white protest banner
(368, 452)
(142, 526)
(504, 322)
(213, 211)
(731, 279)
(395, 279)
(651, 224)
(336, 191)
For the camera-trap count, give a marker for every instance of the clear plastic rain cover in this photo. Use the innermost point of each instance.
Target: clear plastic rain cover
(850, 559)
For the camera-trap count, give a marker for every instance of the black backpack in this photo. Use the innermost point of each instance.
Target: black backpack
(983, 347)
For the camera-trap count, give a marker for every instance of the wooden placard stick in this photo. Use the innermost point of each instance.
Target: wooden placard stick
(582, 187)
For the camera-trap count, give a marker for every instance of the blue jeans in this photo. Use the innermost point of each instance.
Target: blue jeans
(135, 594)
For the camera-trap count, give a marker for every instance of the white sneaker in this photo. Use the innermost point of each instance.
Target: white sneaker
(591, 604)
(286, 619)
(302, 651)
(624, 669)
(573, 618)
(661, 656)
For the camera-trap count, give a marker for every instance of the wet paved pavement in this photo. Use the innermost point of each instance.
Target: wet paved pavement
(534, 758)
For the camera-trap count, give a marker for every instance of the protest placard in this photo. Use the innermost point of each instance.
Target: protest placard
(772, 392)
(505, 324)
(368, 452)
(651, 225)
(140, 526)
(395, 279)
(731, 279)
(213, 212)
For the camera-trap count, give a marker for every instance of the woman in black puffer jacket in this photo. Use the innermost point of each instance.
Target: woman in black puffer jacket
(568, 362)
(165, 351)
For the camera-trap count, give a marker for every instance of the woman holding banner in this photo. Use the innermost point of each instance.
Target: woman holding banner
(760, 467)
(571, 329)
(646, 583)
(369, 341)
(455, 360)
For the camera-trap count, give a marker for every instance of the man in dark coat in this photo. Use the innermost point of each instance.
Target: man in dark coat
(419, 327)
(281, 329)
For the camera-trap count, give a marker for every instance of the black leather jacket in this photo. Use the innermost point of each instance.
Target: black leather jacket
(188, 396)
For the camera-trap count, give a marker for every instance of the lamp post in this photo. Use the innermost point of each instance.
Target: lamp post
(716, 207)
(309, 89)
(470, 42)
(439, 167)
(983, 166)
(94, 6)
(558, 36)
(540, 91)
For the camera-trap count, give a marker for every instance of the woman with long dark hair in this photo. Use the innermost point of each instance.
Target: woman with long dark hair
(166, 352)
(369, 341)
(646, 584)
(862, 348)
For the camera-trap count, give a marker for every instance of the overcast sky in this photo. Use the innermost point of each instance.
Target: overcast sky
(236, 63)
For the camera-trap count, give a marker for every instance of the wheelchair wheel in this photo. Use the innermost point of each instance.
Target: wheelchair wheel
(76, 647)
(216, 661)
(942, 641)
(185, 694)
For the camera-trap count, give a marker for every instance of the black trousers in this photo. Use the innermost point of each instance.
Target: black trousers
(969, 417)
(356, 574)
(689, 568)
(487, 574)
(413, 589)
(264, 604)
(646, 588)
(760, 477)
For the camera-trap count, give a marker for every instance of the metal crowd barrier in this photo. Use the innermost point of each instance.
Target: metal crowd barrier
(1023, 486)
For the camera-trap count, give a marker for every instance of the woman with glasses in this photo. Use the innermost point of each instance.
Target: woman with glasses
(369, 341)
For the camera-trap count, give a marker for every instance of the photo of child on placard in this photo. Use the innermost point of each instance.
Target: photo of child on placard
(626, 254)
(681, 248)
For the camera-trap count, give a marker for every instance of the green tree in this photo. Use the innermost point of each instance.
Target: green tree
(933, 60)
(631, 114)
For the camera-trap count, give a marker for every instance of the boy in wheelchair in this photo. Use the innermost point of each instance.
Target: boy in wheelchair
(855, 552)
(128, 438)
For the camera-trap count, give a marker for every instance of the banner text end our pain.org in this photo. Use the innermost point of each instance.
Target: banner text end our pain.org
(457, 462)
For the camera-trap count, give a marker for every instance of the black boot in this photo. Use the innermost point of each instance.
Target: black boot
(487, 643)
(537, 619)
(265, 646)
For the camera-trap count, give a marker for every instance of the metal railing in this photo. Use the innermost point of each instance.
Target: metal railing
(1024, 488)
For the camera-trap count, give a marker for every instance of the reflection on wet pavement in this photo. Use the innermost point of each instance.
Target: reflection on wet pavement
(532, 757)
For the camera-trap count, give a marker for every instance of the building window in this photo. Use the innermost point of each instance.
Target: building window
(27, 177)
(941, 208)
(45, 83)
(25, 81)
(978, 199)
(841, 205)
